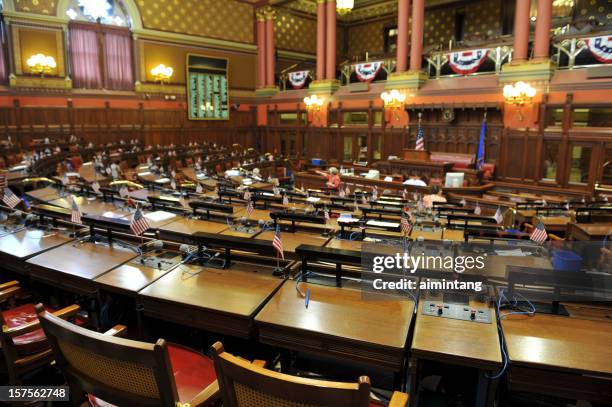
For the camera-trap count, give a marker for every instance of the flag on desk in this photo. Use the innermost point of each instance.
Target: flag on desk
(341, 193)
(480, 154)
(539, 234)
(139, 223)
(95, 186)
(566, 206)
(124, 191)
(65, 179)
(477, 209)
(347, 190)
(356, 205)
(75, 215)
(499, 218)
(249, 209)
(374, 193)
(285, 200)
(326, 215)
(199, 188)
(173, 184)
(462, 202)
(10, 199)
(364, 199)
(420, 139)
(277, 243)
(247, 195)
(404, 194)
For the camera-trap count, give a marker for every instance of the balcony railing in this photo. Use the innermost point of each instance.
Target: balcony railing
(352, 72)
(475, 61)
(573, 51)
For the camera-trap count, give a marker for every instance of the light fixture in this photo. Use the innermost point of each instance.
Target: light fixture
(519, 94)
(41, 64)
(313, 103)
(162, 73)
(344, 6)
(394, 101)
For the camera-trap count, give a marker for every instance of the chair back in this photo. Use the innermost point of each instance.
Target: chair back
(245, 384)
(119, 371)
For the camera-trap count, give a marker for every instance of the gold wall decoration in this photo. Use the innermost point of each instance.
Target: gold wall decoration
(295, 33)
(227, 19)
(47, 7)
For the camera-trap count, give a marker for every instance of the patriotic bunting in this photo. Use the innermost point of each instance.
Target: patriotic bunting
(467, 62)
(367, 72)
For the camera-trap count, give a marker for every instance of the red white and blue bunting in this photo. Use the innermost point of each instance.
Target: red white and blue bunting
(467, 62)
(601, 48)
(367, 71)
(298, 79)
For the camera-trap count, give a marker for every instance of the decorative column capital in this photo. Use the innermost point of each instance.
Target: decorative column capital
(260, 14)
(269, 12)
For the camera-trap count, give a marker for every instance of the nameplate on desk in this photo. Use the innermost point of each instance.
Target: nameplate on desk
(113, 215)
(313, 199)
(382, 224)
(159, 216)
(143, 174)
(162, 180)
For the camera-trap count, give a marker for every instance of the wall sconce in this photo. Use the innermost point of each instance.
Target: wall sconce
(41, 64)
(313, 105)
(162, 73)
(394, 101)
(519, 94)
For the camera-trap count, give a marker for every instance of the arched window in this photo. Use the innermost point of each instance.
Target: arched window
(100, 45)
(111, 12)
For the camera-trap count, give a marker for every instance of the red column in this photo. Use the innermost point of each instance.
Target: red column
(521, 29)
(330, 70)
(403, 13)
(261, 49)
(542, 30)
(416, 43)
(321, 11)
(270, 69)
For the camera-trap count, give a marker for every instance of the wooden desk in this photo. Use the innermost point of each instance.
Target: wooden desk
(453, 234)
(338, 323)
(589, 231)
(457, 342)
(220, 301)
(43, 194)
(91, 207)
(129, 278)
(19, 246)
(231, 232)
(182, 228)
(74, 268)
(257, 214)
(344, 244)
(293, 240)
(436, 234)
(560, 356)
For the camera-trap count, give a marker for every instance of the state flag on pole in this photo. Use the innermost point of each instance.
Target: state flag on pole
(10, 199)
(139, 223)
(277, 243)
(499, 218)
(539, 234)
(75, 215)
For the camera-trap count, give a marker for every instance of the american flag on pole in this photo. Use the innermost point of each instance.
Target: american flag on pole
(10, 199)
(75, 216)
(247, 195)
(326, 215)
(374, 193)
(139, 223)
(285, 200)
(499, 218)
(249, 209)
(173, 184)
(199, 188)
(347, 190)
(420, 140)
(404, 194)
(95, 186)
(477, 209)
(405, 223)
(539, 234)
(277, 243)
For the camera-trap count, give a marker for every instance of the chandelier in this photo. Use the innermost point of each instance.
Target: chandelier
(562, 8)
(162, 73)
(41, 64)
(344, 6)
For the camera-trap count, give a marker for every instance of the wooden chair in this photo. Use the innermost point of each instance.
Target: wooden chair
(245, 384)
(24, 344)
(126, 372)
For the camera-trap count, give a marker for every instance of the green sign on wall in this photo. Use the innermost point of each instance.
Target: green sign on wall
(207, 87)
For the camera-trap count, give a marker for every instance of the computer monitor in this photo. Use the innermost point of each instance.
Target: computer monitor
(454, 180)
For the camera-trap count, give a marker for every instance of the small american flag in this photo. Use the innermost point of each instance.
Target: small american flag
(356, 205)
(462, 202)
(139, 223)
(539, 234)
(420, 140)
(249, 209)
(95, 186)
(277, 243)
(405, 223)
(173, 184)
(374, 193)
(566, 206)
(75, 216)
(499, 218)
(341, 193)
(364, 200)
(347, 190)
(285, 200)
(404, 194)
(247, 195)
(10, 199)
(199, 188)
(326, 215)
(477, 209)
(123, 191)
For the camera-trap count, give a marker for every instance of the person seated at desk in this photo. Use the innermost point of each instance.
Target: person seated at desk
(435, 196)
(333, 178)
(415, 180)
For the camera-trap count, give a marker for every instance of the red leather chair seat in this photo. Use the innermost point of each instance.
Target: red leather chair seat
(374, 403)
(32, 342)
(193, 372)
